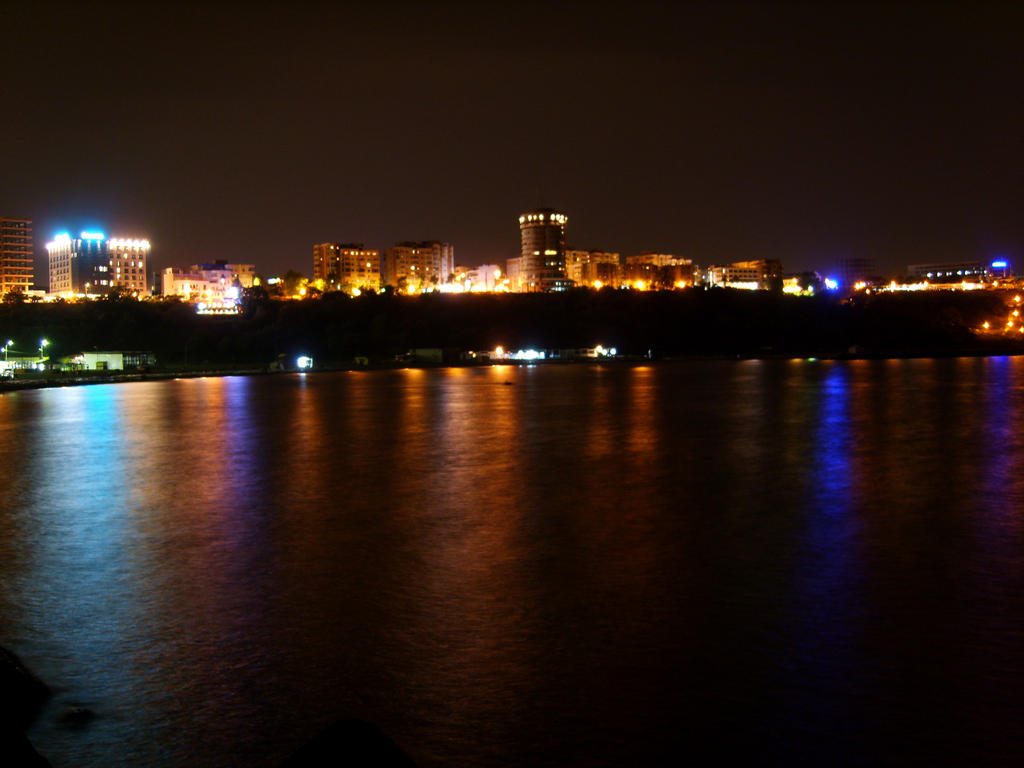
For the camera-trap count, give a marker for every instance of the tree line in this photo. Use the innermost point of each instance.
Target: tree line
(336, 328)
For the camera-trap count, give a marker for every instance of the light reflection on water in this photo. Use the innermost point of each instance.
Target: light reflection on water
(585, 565)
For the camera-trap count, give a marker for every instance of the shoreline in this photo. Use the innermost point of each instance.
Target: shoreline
(78, 380)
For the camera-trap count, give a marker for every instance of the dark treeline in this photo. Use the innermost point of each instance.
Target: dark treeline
(336, 328)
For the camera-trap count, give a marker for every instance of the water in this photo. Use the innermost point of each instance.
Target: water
(794, 561)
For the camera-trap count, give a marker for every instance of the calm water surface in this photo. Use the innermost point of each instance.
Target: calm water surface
(808, 562)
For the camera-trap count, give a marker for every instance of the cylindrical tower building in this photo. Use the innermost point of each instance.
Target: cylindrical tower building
(542, 265)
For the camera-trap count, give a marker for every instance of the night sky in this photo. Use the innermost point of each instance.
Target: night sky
(248, 132)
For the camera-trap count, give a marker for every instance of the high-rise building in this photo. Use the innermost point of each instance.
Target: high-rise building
(418, 266)
(346, 266)
(15, 255)
(93, 263)
(542, 233)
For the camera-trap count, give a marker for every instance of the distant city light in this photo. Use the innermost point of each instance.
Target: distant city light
(304, 362)
(92, 235)
(527, 354)
(830, 284)
(999, 264)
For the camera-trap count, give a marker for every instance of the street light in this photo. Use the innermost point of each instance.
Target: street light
(42, 343)
(8, 344)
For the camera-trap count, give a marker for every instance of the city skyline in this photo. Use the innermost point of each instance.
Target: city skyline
(249, 133)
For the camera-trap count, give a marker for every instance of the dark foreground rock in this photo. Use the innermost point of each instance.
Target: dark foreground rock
(350, 743)
(18, 752)
(22, 696)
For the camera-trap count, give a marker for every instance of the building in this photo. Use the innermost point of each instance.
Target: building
(955, 272)
(1000, 269)
(759, 274)
(188, 284)
(656, 259)
(113, 361)
(485, 278)
(581, 267)
(601, 274)
(856, 269)
(416, 267)
(238, 275)
(662, 271)
(128, 257)
(216, 283)
(513, 270)
(346, 266)
(542, 237)
(94, 264)
(16, 258)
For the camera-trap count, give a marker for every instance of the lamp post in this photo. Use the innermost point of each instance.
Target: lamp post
(8, 344)
(42, 344)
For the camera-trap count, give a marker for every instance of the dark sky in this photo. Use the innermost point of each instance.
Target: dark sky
(721, 132)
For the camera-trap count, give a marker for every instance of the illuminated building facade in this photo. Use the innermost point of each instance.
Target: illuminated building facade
(15, 255)
(238, 275)
(600, 274)
(416, 267)
(215, 282)
(486, 278)
(346, 267)
(759, 274)
(94, 264)
(665, 277)
(542, 235)
(956, 272)
(657, 259)
(113, 361)
(128, 257)
(513, 270)
(577, 263)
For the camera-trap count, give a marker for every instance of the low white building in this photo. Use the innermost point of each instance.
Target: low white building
(486, 277)
(113, 361)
